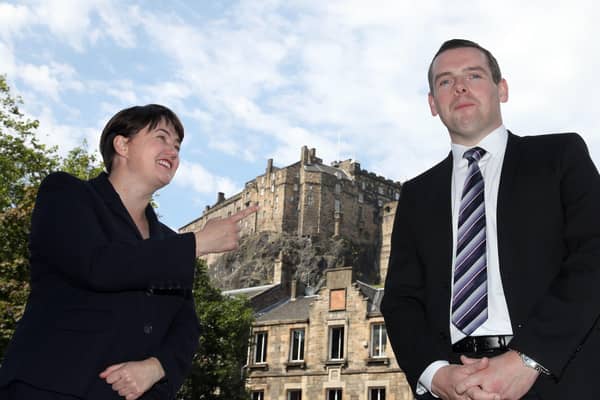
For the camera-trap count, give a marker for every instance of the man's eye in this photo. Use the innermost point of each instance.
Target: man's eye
(444, 82)
(475, 76)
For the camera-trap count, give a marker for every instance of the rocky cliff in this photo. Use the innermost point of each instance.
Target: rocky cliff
(305, 258)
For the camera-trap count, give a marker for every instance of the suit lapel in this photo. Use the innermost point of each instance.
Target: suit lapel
(441, 223)
(111, 198)
(505, 214)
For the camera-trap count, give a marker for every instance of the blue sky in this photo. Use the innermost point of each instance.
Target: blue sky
(255, 79)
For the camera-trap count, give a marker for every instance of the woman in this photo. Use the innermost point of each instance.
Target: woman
(110, 314)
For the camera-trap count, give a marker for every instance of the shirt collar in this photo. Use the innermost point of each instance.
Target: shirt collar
(493, 144)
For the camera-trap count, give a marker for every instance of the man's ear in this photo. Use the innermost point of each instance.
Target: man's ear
(503, 91)
(432, 106)
(120, 144)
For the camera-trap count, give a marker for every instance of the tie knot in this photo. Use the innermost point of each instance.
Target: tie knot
(474, 154)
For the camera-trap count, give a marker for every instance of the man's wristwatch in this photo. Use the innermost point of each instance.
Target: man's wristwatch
(531, 363)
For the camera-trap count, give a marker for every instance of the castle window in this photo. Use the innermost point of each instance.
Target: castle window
(380, 202)
(334, 394)
(295, 394)
(338, 205)
(338, 188)
(363, 185)
(258, 395)
(260, 347)
(380, 190)
(309, 199)
(396, 196)
(378, 340)
(361, 198)
(376, 393)
(297, 345)
(336, 343)
(262, 191)
(272, 188)
(295, 187)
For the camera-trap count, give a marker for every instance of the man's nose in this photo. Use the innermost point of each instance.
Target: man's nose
(459, 86)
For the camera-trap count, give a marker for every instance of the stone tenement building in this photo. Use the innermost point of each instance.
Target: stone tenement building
(330, 345)
(310, 198)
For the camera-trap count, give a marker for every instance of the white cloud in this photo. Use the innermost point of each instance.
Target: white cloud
(80, 23)
(64, 136)
(195, 176)
(257, 80)
(13, 18)
(68, 20)
(50, 79)
(7, 60)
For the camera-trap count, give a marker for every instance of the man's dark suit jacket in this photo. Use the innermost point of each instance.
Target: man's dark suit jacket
(548, 224)
(93, 298)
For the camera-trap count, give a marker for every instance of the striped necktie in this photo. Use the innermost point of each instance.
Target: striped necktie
(469, 299)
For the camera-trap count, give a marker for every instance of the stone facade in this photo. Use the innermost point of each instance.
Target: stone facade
(387, 225)
(331, 345)
(310, 198)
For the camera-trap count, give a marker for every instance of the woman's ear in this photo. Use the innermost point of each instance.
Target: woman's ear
(120, 144)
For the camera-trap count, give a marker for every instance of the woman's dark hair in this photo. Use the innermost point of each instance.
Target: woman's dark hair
(130, 121)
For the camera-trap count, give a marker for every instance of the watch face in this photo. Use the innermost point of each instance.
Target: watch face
(529, 362)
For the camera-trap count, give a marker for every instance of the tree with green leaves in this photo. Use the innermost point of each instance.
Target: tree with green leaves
(24, 163)
(225, 322)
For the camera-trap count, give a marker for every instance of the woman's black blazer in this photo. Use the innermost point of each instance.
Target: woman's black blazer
(100, 294)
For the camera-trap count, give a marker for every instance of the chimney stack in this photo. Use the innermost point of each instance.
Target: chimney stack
(293, 290)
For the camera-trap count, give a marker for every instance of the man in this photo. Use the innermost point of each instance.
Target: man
(493, 283)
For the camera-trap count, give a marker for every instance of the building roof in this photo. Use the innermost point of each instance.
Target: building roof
(374, 296)
(287, 310)
(337, 172)
(249, 291)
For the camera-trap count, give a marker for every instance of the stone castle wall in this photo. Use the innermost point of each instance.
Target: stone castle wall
(310, 198)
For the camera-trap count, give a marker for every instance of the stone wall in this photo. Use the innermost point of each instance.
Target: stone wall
(355, 374)
(310, 198)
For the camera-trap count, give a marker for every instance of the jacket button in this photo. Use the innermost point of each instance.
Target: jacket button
(148, 329)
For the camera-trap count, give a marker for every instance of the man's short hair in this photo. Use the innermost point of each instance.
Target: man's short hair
(130, 121)
(461, 43)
